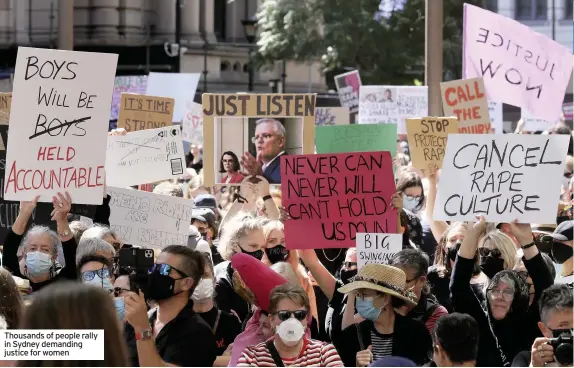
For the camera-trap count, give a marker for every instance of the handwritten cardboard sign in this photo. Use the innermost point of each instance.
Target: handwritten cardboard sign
(149, 220)
(357, 138)
(332, 116)
(59, 124)
(348, 85)
(192, 126)
(534, 124)
(126, 84)
(520, 67)
(496, 118)
(332, 197)
(503, 177)
(145, 156)
(466, 99)
(140, 112)
(427, 140)
(253, 105)
(5, 102)
(377, 248)
(392, 104)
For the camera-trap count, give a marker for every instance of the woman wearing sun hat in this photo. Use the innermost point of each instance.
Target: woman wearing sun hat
(379, 289)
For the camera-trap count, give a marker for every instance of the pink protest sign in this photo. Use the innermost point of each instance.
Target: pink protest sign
(348, 88)
(520, 67)
(332, 197)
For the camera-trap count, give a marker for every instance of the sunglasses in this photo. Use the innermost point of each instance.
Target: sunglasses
(90, 275)
(165, 269)
(350, 264)
(117, 291)
(487, 252)
(299, 315)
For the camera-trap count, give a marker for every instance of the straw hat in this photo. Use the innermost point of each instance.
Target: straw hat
(384, 278)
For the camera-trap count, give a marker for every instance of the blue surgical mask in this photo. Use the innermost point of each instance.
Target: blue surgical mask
(367, 310)
(411, 203)
(120, 308)
(104, 283)
(38, 263)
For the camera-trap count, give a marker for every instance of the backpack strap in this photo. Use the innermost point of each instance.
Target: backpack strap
(274, 353)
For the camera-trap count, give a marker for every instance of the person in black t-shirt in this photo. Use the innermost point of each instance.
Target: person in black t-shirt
(172, 333)
(225, 326)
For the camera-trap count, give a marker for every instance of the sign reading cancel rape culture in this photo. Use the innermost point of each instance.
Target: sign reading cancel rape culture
(503, 177)
(58, 125)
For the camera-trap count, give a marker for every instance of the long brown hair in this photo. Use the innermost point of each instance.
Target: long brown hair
(75, 306)
(11, 303)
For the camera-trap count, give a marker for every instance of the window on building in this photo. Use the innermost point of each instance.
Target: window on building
(531, 9)
(224, 66)
(237, 66)
(220, 19)
(568, 5)
(492, 5)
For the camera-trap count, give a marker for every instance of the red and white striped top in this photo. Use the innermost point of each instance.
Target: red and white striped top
(313, 354)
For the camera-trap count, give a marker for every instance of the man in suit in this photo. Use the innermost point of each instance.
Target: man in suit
(269, 142)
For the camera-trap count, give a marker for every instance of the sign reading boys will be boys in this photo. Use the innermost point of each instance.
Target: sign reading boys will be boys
(59, 122)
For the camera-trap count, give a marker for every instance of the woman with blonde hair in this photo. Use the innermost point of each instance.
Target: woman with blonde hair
(275, 252)
(497, 252)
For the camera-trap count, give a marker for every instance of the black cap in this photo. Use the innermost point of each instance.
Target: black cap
(563, 231)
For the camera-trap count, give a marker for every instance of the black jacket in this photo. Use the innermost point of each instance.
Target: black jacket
(226, 298)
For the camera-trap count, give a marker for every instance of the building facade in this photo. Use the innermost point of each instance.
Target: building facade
(212, 40)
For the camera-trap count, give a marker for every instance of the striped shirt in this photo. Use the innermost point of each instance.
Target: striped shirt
(313, 354)
(382, 345)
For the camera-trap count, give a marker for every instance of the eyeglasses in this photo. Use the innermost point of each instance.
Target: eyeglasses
(165, 269)
(413, 198)
(506, 294)
(264, 136)
(117, 291)
(227, 161)
(284, 315)
(90, 275)
(486, 252)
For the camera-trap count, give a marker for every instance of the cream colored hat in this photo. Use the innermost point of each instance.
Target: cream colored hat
(384, 278)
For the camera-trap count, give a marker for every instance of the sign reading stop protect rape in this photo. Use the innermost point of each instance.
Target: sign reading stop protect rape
(59, 123)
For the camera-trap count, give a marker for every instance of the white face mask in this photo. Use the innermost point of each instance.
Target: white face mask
(290, 331)
(203, 291)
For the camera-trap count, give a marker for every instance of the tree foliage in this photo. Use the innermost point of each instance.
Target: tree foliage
(384, 39)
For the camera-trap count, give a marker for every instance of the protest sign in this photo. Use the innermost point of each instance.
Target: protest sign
(273, 106)
(145, 156)
(139, 112)
(179, 86)
(503, 177)
(192, 125)
(466, 100)
(5, 102)
(496, 119)
(357, 138)
(520, 67)
(534, 124)
(149, 220)
(392, 104)
(568, 110)
(332, 197)
(126, 84)
(348, 88)
(60, 114)
(427, 141)
(377, 248)
(332, 116)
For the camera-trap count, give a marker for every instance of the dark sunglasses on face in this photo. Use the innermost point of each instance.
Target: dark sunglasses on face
(102, 273)
(300, 315)
(350, 264)
(117, 291)
(487, 252)
(165, 269)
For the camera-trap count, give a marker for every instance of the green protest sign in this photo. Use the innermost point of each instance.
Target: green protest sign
(356, 138)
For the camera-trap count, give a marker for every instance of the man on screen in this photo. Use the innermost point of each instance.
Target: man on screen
(269, 142)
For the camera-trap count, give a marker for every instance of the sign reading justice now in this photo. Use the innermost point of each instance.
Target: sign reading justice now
(503, 177)
(58, 125)
(332, 197)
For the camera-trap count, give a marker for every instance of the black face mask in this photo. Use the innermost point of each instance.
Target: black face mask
(561, 252)
(160, 286)
(452, 251)
(277, 254)
(491, 266)
(258, 254)
(347, 275)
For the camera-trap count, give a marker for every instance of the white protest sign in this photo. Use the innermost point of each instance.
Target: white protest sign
(496, 119)
(192, 125)
(503, 177)
(377, 248)
(58, 125)
(145, 156)
(179, 86)
(392, 105)
(149, 220)
(332, 116)
(532, 123)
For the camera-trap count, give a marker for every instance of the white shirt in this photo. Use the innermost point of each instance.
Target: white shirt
(265, 166)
